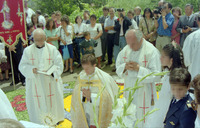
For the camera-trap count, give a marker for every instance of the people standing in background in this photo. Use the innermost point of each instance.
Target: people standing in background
(130, 15)
(147, 26)
(53, 16)
(58, 15)
(46, 16)
(176, 35)
(52, 33)
(138, 16)
(96, 31)
(79, 29)
(187, 23)
(34, 20)
(109, 27)
(30, 29)
(40, 17)
(86, 17)
(122, 24)
(65, 32)
(104, 35)
(164, 25)
(4, 66)
(28, 11)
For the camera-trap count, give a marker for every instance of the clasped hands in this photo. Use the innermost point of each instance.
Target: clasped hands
(133, 66)
(87, 94)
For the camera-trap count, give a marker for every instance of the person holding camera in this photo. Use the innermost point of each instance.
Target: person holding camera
(187, 23)
(122, 24)
(164, 26)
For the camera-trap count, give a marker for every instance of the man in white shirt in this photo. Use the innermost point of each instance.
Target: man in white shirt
(29, 12)
(41, 18)
(109, 28)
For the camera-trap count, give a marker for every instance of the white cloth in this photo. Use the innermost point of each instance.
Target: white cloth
(62, 34)
(191, 53)
(80, 29)
(197, 122)
(110, 22)
(148, 57)
(42, 20)
(94, 31)
(6, 110)
(44, 94)
(29, 13)
(27, 124)
(156, 119)
(134, 24)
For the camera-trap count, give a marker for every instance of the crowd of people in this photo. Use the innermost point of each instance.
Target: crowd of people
(137, 44)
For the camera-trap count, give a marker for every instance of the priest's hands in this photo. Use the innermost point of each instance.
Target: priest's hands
(133, 66)
(87, 93)
(35, 70)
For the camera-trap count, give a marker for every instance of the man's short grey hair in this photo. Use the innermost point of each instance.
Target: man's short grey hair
(191, 6)
(138, 34)
(10, 123)
(39, 30)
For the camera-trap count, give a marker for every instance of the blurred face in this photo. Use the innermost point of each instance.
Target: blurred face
(88, 68)
(179, 91)
(137, 11)
(105, 12)
(166, 9)
(39, 39)
(53, 16)
(147, 14)
(130, 16)
(112, 12)
(188, 11)
(85, 15)
(176, 13)
(119, 13)
(30, 31)
(87, 37)
(51, 24)
(165, 60)
(79, 20)
(46, 18)
(58, 16)
(35, 19)
(93, 21)
(63, 24)
(133, 42)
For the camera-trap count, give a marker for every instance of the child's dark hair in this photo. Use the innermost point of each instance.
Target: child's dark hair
(88, 58)
(86, 34)
(176, 54)
(65, 18)
(196, 85)
(180, 76)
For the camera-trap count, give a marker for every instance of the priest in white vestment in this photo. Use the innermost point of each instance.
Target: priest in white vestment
(6, 110)
(191, 51)
(138, 59)
(42, 66)
(90, 81)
